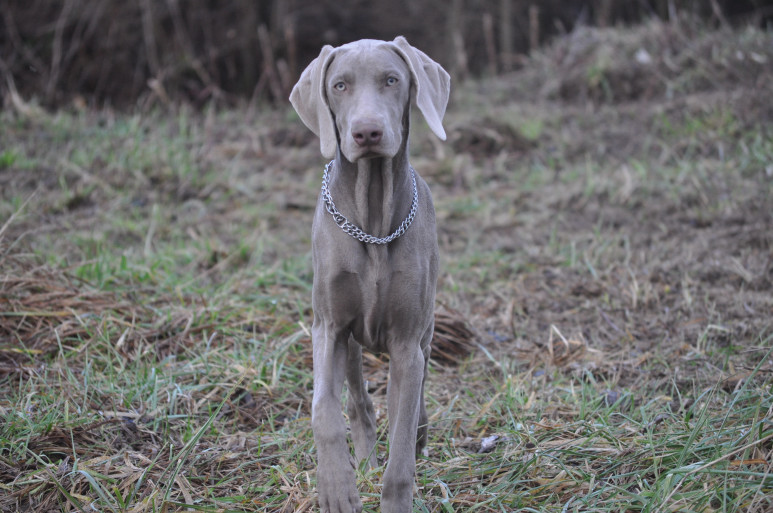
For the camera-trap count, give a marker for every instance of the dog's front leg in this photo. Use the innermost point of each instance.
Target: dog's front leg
(335, 469)
(406, 373)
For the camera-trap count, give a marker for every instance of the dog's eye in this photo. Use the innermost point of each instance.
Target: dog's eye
(340, 86)
(391, 81)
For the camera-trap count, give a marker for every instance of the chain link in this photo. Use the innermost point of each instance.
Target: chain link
(354, 230)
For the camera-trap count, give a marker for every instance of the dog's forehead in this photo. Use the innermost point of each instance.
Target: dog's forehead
(372, 51)
(364, 44)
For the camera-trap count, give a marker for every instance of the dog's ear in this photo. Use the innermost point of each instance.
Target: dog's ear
(310, 101)
(432, 84)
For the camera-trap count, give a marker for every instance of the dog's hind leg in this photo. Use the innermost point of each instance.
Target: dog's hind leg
(421, 434)
(360, 408)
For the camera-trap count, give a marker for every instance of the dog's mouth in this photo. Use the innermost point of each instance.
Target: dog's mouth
(370, 152)
(383, 148)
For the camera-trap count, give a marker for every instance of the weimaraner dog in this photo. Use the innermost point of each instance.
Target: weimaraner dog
(374, 253)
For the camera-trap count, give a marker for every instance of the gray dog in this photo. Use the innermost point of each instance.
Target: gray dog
(374, 252)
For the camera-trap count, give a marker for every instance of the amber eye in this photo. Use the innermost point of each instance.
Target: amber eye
(391, 81)
(340, 86)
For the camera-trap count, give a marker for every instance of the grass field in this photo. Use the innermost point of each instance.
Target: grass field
(605, 304)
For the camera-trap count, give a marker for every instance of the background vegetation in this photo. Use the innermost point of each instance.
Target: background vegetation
(118, 53)
(604, 336)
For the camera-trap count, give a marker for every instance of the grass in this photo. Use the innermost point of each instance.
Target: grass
(603, 331)
(599, 452)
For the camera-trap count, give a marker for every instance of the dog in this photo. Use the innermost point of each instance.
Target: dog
(374, 255)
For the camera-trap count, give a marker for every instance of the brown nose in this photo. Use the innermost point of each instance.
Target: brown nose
(367, 134)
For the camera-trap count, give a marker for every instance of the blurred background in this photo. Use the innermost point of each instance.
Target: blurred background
(120, 53)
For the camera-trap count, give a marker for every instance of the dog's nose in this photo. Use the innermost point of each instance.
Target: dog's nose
(367, 134)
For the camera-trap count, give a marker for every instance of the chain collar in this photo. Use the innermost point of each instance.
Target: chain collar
(354, 230)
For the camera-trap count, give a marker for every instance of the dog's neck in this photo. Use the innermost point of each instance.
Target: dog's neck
(375, 193)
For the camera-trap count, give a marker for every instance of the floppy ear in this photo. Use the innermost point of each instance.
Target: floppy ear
(310, 101)
(432, 84)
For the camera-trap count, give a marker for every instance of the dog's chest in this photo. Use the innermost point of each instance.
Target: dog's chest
(383, 295)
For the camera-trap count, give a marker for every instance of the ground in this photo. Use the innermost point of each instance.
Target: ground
(605, 220)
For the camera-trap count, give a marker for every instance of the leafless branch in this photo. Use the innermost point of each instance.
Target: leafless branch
(56, 53)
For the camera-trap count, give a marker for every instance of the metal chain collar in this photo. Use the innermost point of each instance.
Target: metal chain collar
(354, 230)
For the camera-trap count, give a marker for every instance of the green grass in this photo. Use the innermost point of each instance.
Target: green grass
(606, 456)
(155, 309)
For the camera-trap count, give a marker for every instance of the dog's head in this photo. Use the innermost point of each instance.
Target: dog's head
(358, 96)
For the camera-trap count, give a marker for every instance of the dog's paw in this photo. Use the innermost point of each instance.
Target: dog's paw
(337, 491)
